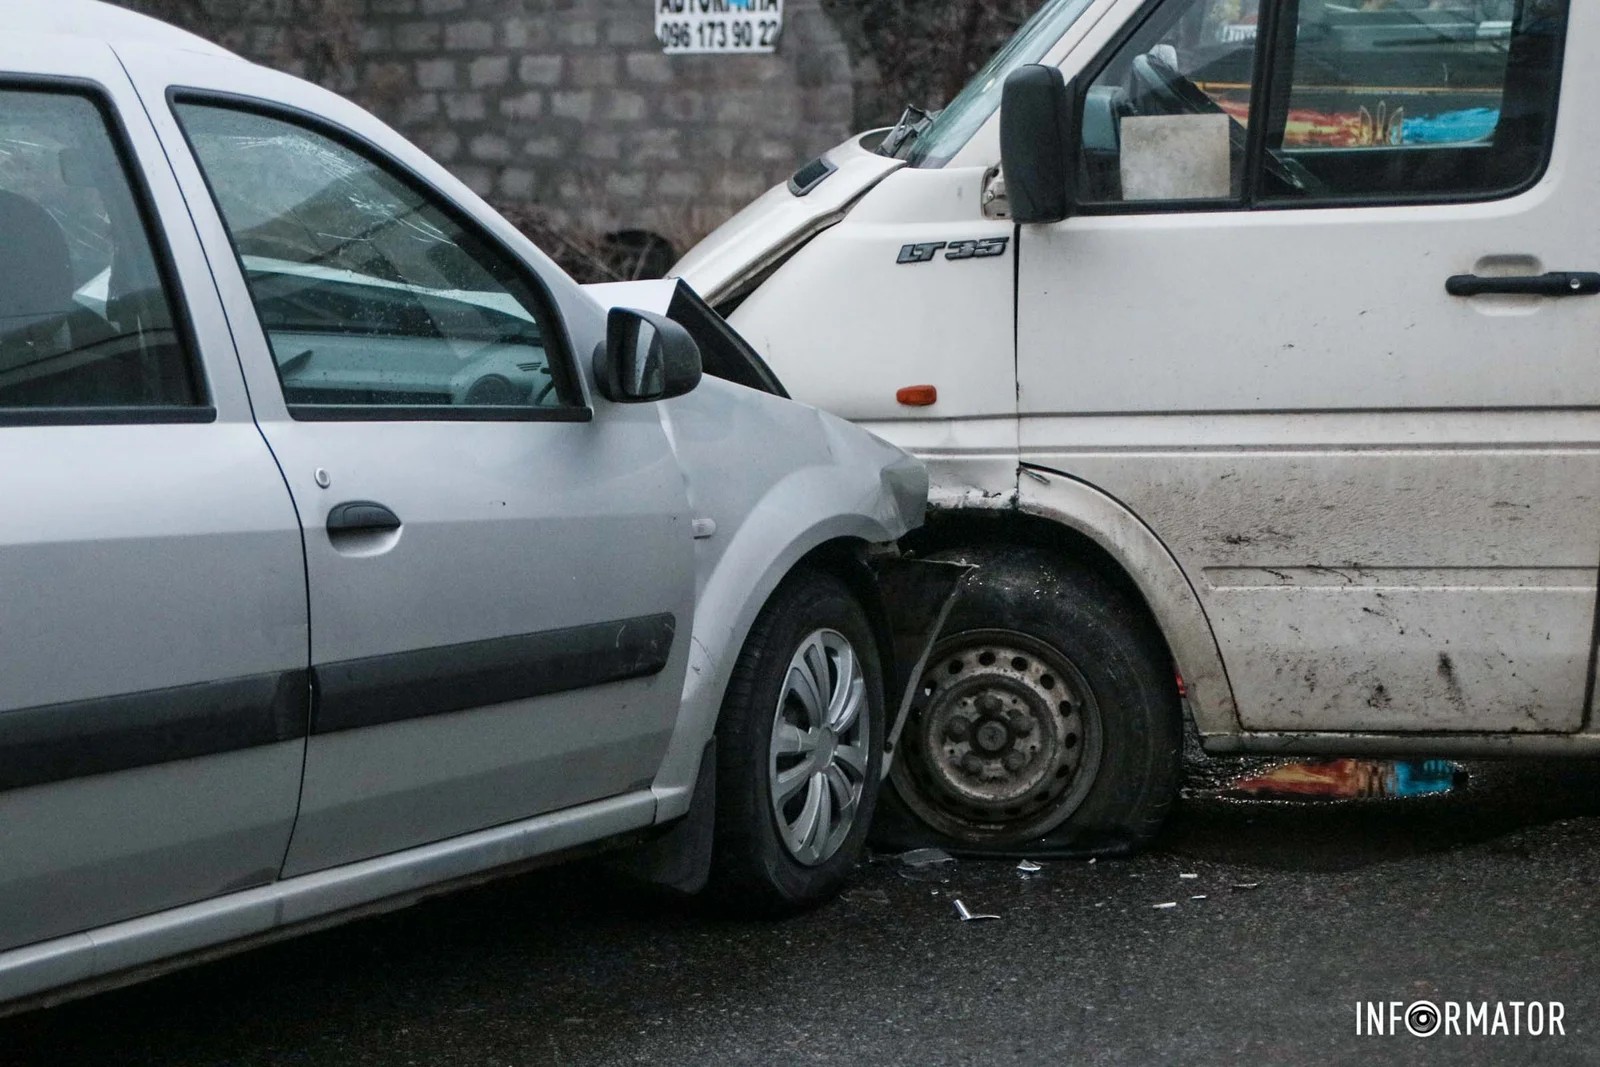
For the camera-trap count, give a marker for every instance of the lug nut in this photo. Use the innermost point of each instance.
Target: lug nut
(1021, 724)
(972, 764)
(1015, 760)
(989, 704)
(992, 736)
(957, 728)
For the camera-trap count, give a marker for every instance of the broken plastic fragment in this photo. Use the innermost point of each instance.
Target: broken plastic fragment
(925, 857)
(1029, 867)
(968, 916)
(1349, 779)
(1168, 904)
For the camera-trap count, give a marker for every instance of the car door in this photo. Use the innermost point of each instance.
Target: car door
(1278, 328)
(153, 628)
(501, 578)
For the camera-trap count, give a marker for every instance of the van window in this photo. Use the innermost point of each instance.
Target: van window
(1167, 117)
(375, 300)
(86, 321)
(1369, 102)
(1419, 98)
(953, 127)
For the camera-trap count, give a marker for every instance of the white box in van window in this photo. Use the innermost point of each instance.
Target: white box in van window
(1175, 157)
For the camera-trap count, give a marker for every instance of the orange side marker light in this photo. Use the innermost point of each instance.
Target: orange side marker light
(917, 396)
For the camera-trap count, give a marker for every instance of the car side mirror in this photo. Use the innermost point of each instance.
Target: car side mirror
(1038, 144)
(645, 357)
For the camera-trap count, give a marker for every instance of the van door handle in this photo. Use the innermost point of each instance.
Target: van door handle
(361, 516)
(1556, 283)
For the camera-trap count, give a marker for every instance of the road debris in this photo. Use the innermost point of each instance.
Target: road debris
(1030, 867)
(873, 896)
(1245, 886)
(1198, 896)
(1187, 875)
(925, 857)
(969, 916)
(1350, 779)
(1163, 907)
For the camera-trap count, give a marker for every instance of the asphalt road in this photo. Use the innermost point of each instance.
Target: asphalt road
(1486, 895)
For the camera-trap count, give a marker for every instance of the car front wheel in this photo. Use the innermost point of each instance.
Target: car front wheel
(799, 749)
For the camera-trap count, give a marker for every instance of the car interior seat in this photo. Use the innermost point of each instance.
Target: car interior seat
(35, 283)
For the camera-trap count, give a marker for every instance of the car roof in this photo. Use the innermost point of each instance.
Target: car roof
(96, 21)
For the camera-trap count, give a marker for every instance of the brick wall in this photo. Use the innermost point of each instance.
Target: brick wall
(567, 105)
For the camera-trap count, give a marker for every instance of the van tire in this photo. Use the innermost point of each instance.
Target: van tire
(1043, 615)
(754, 870)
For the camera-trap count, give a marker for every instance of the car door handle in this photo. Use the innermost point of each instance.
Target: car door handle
(1556, 283)
(361, 516)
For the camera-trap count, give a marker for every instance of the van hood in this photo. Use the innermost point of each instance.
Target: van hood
(784, 218)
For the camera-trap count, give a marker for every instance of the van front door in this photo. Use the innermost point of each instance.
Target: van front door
(1308, 324)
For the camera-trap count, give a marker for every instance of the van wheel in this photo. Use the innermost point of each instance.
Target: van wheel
(1047, 719)
(799, 750)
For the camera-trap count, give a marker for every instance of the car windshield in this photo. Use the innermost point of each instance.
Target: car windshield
(954, 126)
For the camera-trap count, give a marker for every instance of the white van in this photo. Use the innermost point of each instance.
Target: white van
(1263, 376)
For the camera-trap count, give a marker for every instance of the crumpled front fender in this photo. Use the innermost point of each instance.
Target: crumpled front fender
(769, 481)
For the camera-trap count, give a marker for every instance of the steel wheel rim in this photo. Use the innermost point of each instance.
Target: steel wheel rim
(818, 756)
(934, 790)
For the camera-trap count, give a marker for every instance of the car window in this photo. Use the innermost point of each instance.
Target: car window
(86, 319)
(1167, 116)
(371, 293)
(1420, 97)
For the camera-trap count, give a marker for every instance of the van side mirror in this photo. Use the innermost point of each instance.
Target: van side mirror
(1038, 144)
(645, 357)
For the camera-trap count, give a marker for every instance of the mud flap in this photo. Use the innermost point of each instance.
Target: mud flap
(680, 858)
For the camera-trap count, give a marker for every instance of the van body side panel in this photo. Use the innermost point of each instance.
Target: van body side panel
(1386, 496)
(1361, 584)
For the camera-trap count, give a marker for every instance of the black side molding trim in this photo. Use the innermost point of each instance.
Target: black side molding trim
(57, 742)
(436, 681)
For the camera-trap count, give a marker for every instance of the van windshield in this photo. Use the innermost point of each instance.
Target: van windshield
(954, 126)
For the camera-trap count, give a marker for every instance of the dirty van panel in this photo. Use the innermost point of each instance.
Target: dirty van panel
(1405, 589)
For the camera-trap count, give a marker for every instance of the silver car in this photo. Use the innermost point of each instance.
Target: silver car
(350, 550)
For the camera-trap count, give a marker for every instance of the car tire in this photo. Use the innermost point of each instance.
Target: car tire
(772, 853)
(1047, 720)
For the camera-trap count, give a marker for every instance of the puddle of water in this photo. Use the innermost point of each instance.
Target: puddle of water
(1350, 779)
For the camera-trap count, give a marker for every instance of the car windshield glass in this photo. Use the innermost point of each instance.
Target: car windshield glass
(955, 125)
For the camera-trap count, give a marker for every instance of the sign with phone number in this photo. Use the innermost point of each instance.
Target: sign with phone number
(689, 26)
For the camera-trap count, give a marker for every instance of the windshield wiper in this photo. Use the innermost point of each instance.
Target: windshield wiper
(913, 120)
